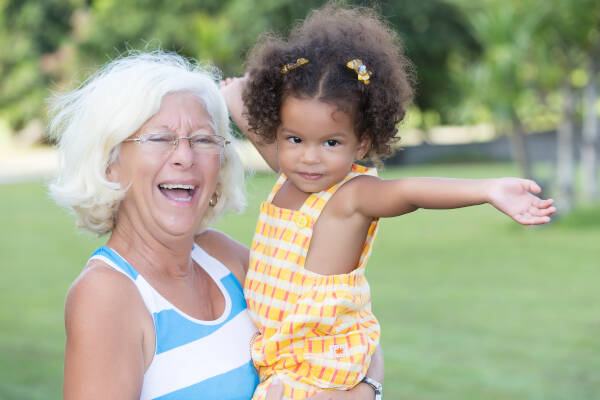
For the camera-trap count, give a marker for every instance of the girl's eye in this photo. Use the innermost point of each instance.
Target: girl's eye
(294, 139)
(331, 143)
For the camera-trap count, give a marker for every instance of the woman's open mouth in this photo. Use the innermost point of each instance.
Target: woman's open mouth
(177, 192)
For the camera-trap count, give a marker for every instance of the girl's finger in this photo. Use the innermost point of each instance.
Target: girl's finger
(275, 391)
(532, 186)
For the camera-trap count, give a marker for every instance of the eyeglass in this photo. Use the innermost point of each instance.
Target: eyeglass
(165, 142)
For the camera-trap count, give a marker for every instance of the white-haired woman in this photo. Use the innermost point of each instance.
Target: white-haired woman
(146, 156)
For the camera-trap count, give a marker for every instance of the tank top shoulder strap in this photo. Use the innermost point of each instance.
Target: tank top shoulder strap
(151, 299)
(211, 265)
(315, 203)
(115, 261)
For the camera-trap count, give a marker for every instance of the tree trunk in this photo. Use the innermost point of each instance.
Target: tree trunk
(589, 144)
(519, 147)
(565, 163)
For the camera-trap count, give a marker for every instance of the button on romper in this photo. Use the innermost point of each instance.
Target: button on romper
(317, 331)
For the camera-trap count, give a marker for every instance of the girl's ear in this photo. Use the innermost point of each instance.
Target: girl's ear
(363, 147)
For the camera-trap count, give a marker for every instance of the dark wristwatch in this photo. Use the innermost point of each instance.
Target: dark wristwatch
(377, 387)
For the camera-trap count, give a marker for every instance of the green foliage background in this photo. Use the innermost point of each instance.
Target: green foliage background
(491, 60)
(54, 44)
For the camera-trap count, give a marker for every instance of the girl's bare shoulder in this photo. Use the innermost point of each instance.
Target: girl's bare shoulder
(346, 200)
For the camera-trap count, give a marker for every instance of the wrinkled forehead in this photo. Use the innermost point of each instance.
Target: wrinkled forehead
(181, 112)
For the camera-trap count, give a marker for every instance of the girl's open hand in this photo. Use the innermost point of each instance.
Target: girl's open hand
(517, 198)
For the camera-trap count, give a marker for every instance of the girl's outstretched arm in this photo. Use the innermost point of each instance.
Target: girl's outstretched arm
(231, 89)
(515, 197)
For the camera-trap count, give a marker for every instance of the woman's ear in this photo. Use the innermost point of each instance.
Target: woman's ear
(112, 172)
(363, 147)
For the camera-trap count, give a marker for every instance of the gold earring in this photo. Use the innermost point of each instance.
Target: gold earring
(213, 199)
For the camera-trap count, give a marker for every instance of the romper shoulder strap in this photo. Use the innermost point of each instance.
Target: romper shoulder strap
(280, 181)
(315, 203)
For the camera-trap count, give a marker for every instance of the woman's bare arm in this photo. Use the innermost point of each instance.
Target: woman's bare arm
(104, 348)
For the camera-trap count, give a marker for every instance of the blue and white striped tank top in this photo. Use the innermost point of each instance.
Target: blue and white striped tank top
(195, 359)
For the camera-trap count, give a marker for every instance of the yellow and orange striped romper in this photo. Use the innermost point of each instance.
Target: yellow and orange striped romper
(317, 331)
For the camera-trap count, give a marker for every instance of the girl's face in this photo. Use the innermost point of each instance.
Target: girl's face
(316, 144)
(169, 190)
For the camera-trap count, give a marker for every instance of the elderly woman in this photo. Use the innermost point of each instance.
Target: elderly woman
(147, 156)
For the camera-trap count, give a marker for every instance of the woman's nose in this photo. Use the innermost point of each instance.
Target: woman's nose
(183, 154)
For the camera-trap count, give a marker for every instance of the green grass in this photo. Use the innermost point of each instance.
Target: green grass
(472, 306)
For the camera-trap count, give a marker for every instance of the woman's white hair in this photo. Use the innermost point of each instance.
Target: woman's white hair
(91, 121)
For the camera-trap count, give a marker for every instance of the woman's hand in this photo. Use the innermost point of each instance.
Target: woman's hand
(362, 391)
(517, 198)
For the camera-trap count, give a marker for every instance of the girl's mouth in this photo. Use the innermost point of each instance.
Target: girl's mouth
(310, 177)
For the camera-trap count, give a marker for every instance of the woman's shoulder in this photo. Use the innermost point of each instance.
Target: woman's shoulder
(106, 324)
(231, 253)
(101, 293)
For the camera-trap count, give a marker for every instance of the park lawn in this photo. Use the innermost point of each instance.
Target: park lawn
(472, 306)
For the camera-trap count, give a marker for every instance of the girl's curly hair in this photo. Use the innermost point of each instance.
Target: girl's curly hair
(329, 38)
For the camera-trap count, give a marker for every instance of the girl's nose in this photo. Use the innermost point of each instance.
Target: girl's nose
(310, 154)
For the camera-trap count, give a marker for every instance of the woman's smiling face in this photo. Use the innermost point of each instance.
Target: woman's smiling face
(169, 190)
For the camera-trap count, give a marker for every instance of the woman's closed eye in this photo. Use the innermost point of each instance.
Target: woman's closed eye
(203, 139)
(159, 137)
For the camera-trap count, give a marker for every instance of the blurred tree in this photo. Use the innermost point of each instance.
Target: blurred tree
(28, 30)
(249, 19)
(591, 121)
(432, 32)
(499, 78)
(222, 32)
(570, 38)
(185, 26)
(591, 128)
(44, 43)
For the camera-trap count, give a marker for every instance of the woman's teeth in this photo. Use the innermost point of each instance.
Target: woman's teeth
(176, 186)
(177, 192)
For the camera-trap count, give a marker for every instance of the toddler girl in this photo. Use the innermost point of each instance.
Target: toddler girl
(332, 94)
